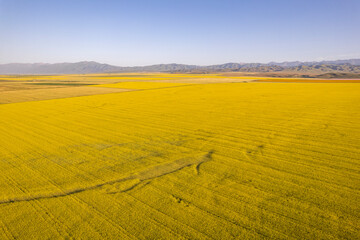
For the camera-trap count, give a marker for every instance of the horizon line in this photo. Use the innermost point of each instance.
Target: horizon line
(200, 65)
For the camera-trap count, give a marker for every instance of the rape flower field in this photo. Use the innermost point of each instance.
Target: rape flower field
(170, 156)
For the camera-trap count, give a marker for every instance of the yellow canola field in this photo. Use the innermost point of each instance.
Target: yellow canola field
(151, 76)
(206, 161)
(52, 93)
(142, 85)
(142, 78)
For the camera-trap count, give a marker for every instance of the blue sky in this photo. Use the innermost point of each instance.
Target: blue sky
(136, 32)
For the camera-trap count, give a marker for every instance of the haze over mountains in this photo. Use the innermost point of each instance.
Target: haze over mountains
(86, 67)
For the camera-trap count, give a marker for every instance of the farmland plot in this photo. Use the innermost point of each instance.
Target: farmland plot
(200, 161)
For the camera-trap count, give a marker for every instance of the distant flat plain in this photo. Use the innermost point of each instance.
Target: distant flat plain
(179, 156)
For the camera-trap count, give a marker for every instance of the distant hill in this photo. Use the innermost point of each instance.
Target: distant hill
(342, 66)
(355, 62)
(57, 68)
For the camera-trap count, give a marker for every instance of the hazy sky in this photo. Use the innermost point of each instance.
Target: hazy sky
(136, 32)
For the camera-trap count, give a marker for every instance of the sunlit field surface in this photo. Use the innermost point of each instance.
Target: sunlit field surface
(167, 156)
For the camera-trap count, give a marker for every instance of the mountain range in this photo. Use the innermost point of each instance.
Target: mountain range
(86, 67)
